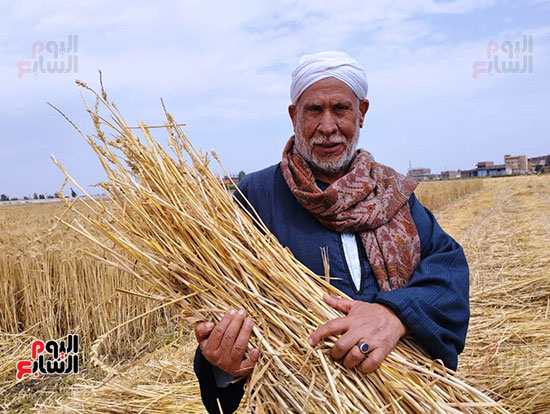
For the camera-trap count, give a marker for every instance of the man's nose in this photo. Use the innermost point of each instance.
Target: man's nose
(327, 124)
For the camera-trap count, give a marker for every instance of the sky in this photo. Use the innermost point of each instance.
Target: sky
(223, 69)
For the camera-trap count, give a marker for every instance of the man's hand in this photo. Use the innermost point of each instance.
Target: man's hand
(372, 323)
(224, 345)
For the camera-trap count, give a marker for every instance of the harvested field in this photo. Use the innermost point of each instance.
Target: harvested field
(505, 232)
(436, 195)
(503, 226)
(51, 287)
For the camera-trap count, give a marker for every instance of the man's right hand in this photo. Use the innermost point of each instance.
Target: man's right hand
(224, 344)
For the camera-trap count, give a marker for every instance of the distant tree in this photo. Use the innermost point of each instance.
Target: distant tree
(49, 196)
(56, 195)
(25, 198)
(73, 194)
(41, 197)
(35, 196)
(4, 197)
(14, 199)
(538, 167)
(241, 175)
(547, 161)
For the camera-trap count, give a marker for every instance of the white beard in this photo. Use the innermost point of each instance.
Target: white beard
(332, 166)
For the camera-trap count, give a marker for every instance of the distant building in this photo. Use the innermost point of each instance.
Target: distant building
(533, 162)
(419, 174)
(513, 164)
(468, 173)
(517, 164)
(449, 175)
(485, 164)
(228, 182)
(488, 169)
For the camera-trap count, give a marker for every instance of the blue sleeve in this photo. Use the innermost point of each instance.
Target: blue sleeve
(229, 396)
(435, 303)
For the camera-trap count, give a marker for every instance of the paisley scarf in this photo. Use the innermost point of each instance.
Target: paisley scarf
(371, 199)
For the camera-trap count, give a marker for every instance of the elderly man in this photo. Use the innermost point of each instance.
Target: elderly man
(406, 276)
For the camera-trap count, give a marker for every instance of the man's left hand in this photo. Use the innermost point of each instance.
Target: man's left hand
(375, 324)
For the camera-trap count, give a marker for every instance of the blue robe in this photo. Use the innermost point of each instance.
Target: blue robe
(434, 305)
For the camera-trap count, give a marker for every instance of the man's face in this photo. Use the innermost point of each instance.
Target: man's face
(327, 119)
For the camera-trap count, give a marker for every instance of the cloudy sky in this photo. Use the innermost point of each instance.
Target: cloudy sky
(223, 68)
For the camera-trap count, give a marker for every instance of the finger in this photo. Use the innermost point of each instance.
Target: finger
(241, 343)
(373, 361)
(219, 330)
(202, 331)
(353, 358)
(344, 344)
(231, 333)
(333, 327)
(341, 304)
(246, 366)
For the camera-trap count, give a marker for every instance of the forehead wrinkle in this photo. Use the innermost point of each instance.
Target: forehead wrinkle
(332, 99)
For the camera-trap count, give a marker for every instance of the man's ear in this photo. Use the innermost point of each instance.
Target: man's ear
(363, 108)
(292, 113)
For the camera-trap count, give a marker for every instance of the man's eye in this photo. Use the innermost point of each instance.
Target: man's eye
(341, 107)
(313, 108)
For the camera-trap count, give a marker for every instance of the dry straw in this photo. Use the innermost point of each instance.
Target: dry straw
(507, 241)
(184, 235)
(161, 382)
(50, 288)
(438, 194)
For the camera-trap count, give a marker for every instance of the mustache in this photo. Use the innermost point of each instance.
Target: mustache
(328, 141)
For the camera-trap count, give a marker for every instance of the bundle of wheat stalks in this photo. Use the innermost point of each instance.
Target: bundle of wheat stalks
(195, 246)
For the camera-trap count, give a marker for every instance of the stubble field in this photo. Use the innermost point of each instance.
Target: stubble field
(136, 356)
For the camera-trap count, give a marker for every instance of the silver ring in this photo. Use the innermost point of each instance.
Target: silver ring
(363, 347)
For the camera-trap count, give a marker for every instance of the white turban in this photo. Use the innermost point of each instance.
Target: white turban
(339, 65)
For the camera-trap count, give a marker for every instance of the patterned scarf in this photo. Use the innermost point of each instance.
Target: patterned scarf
(371, 199)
